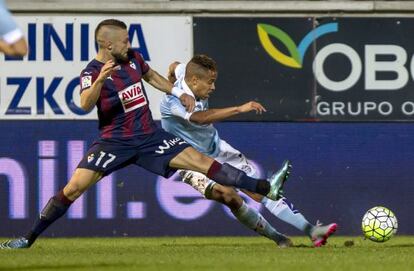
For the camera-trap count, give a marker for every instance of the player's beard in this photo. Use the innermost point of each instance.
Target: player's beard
(121, 58)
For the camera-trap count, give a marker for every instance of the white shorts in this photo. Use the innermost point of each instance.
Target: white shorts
(227, 154)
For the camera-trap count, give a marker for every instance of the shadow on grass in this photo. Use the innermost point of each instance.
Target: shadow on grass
(215, 245)
(303, 246)
(402, 245)
(68, 266)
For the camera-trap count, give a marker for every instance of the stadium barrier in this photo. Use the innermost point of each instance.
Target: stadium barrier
(340, 171)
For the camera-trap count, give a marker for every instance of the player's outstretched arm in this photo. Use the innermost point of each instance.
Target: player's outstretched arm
(18, 48)
(12, 41)
(215, 115)
(90, 96)
(159, 82)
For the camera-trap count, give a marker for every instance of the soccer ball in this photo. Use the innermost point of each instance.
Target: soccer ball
(379, 224)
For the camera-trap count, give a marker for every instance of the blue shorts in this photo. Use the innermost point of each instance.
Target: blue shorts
(152, 152)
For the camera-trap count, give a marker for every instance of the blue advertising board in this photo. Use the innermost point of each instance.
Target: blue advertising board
(312, 68)
(339, 172)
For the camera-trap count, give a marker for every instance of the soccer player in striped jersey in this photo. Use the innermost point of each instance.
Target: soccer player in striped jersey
(128, 134)
(12, 41)
(197, 78)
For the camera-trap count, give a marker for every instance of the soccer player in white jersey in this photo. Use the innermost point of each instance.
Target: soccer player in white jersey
(197, 78)
(12, 41)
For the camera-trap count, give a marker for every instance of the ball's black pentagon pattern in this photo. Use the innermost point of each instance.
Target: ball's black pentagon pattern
(379, 224)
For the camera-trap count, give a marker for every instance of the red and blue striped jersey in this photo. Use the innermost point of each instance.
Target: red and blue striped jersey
(123, 106)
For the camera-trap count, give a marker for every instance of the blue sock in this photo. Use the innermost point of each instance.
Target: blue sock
(54, 209)
(228, 175)
(252, 219)
(286, 212)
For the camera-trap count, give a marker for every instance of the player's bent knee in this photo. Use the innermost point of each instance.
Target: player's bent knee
(233, 200)
(191, 159)
(228, 196)
(81, 180)
(201, 162)
(71, 191)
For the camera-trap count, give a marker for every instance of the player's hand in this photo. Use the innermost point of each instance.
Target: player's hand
(251, 106)
(188, 101)
(171, 72)
(107, 69)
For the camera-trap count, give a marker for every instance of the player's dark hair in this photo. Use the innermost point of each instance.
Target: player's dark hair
(199, 65)
(109, 22)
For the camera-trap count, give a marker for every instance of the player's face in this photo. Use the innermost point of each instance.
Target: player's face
(120, 45)
(205, 85)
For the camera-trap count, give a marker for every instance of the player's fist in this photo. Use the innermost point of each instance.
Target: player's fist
(251, 106)
(106, 70)
(188, 102)
(171, 72)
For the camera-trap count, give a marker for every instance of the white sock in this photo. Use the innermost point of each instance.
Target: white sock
(286, 212)
(252, 219)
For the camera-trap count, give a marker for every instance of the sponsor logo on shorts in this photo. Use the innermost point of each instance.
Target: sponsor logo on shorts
(168, 144)
(132, 97)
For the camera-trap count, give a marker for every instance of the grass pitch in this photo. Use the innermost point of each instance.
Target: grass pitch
(207, 253)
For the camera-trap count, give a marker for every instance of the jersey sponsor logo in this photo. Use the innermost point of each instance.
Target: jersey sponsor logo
(168, 144)
(132, 97)
(86, 81)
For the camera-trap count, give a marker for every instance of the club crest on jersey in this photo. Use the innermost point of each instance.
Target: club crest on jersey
(132, 97)
(91, 157)
(86, 81)
(132, 65)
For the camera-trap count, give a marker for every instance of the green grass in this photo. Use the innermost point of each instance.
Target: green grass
(222, 253)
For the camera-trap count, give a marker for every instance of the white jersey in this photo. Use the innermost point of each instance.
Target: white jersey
(176, 120)
(9, 31)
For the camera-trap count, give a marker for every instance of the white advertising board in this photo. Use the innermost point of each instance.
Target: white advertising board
(45, 85)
